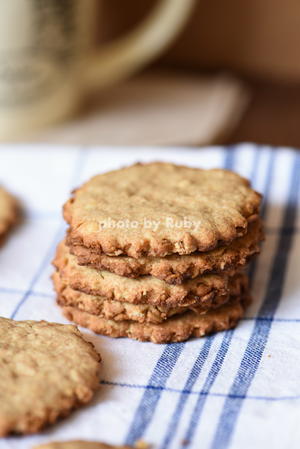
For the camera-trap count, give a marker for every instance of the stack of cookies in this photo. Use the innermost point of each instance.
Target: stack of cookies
(157, 252)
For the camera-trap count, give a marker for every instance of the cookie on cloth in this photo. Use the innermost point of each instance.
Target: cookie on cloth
(143, 290)
(47, 369)
(142, 313)
(175, 329)
(79, 444)
(176, 269)
(9, 212)
(158, 209)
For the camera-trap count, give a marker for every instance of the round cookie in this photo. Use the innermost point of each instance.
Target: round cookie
(158, 209)
(176, 329)
(8, 212)
(46, 370)
(79, 444)
(176, 269)
(142, 313)
(143, 290)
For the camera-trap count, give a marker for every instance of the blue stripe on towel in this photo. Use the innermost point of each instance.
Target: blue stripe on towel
(221, 354)
(261, 330)
(229, 161)
(150, 398)
(211, 377)
(78, 167)
(194, 374)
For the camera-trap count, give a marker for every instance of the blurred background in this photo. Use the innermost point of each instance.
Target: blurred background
(230, 72)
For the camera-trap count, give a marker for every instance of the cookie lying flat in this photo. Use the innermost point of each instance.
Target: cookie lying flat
(142, 313)
(158, 209)
(144, 290)
(175, 329)
(46, 370)
(79, 444)
(176, 269)
(8, 212)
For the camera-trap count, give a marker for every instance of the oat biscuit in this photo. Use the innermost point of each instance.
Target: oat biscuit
(175, 329)
(146, 289)
(46, 370)
(158, 209)
(8, 212)
(79, 444)
(176, 269)
(142, 313)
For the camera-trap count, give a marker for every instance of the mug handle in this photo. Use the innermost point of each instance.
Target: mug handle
(119, 59)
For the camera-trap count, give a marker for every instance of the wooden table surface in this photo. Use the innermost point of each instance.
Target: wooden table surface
(272, 117)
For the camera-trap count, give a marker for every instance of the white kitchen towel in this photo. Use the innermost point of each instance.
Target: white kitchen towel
(236, 390)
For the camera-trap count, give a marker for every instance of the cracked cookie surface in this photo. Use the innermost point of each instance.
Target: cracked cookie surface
(46, 370)
(158, 209)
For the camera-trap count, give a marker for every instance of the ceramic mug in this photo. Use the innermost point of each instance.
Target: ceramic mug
(48, 62)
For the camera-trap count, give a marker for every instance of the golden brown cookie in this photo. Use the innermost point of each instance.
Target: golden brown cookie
(78, 444)
(142, 313)
(46, 370)
(158, 209)
(176, 269)
(175, 329)
(143, 290)
(8, 212)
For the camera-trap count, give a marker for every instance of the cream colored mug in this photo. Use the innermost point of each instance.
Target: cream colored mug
(47, 59)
